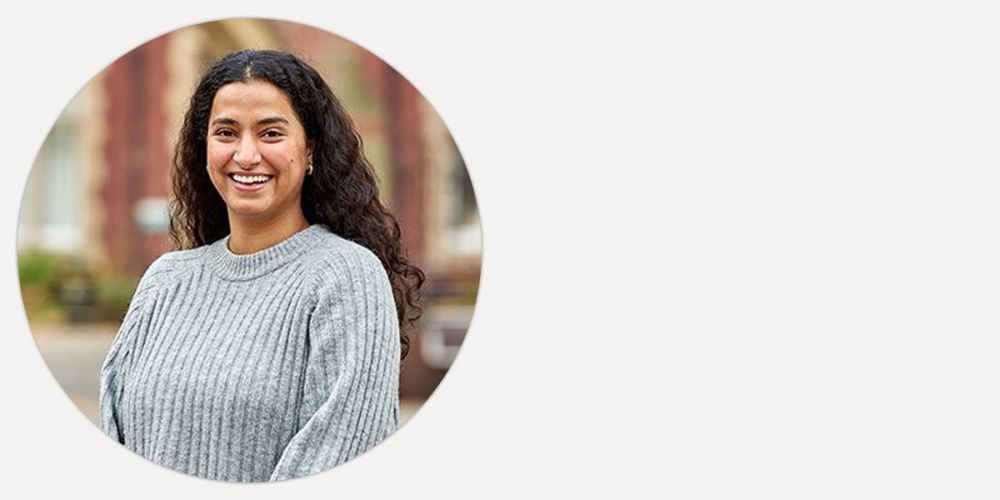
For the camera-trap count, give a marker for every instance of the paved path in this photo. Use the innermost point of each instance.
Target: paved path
(74, 354)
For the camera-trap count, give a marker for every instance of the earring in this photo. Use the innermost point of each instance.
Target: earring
(309, 169)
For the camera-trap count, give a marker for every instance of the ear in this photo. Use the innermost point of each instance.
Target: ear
(310, 147)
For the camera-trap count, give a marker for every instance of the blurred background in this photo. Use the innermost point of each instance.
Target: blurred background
(94, 212)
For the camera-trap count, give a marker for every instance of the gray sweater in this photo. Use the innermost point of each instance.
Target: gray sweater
(257, 367)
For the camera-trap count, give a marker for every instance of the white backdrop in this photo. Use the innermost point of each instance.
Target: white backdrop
(731, 250)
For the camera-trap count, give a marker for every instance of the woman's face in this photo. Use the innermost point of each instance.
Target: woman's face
(257, 152)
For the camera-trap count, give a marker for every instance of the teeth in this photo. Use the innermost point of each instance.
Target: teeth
(250, 179)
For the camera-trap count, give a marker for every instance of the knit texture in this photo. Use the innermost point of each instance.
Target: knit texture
(259, 367)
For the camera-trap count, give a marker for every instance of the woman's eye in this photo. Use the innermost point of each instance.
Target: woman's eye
(272, 134)
(224, 133)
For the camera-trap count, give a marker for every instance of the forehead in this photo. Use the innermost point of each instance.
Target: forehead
(249, 100)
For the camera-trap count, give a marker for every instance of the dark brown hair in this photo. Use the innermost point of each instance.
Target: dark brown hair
(342, 193)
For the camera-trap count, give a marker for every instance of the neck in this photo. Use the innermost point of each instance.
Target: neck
(253, 235)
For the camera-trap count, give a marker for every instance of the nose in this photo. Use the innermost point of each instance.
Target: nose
(247, 155)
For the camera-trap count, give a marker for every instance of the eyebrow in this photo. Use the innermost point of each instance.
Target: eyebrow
(222, 120)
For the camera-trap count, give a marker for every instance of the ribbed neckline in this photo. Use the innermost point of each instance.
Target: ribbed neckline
(235, 267)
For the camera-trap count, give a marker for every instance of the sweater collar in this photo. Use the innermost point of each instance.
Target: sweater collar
(231, 266)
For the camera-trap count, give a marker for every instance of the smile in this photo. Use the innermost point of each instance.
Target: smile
(249, 183)
(250, 180)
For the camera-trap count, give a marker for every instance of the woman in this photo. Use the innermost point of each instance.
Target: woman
(268, 345)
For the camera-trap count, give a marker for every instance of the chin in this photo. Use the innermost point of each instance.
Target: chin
(247, 209)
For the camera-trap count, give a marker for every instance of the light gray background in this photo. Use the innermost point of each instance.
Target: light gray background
(730, 250)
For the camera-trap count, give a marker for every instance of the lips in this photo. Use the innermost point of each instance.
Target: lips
(249, 182)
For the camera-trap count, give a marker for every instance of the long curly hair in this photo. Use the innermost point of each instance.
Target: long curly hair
(342, 193)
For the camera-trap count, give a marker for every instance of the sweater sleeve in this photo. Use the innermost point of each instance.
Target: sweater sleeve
(117, 361)
(351, 385)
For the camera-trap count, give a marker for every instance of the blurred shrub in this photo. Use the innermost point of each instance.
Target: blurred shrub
(37, 269)
(58, 288)
(38, 272)
(113, 295)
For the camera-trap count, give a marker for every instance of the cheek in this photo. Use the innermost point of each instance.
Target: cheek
(285, 161)
(218, 157)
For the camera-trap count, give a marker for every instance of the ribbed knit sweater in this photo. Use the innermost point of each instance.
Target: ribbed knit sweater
(259, 367)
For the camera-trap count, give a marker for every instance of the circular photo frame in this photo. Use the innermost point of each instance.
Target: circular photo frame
(249, 250)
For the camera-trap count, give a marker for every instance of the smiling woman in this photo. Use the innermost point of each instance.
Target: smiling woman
(267, 346)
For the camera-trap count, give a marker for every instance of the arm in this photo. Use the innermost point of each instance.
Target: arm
(351, 393)
(117, 361)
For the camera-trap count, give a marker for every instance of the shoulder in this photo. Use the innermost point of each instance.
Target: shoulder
(338, 261)
(168, 265)
(156, 276)
(350, 283)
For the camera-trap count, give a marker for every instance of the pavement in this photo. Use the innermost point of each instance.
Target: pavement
(75, 353)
